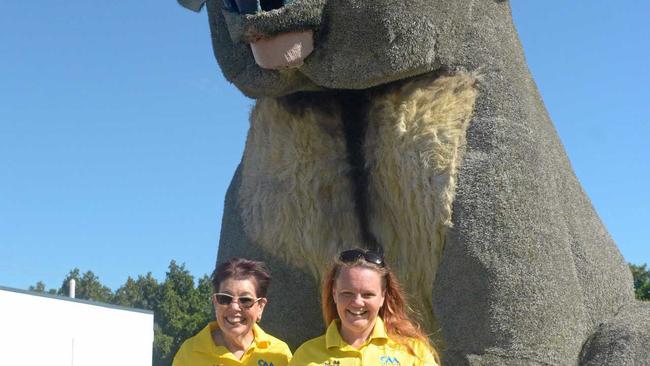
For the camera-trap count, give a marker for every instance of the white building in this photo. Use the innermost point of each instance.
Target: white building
(39, 329)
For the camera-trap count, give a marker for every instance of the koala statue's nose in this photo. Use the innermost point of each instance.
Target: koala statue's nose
(253, 6)
(273, 51)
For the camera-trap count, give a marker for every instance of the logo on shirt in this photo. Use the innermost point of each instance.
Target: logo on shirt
(333, 363)
(261, 362)
(388, 361)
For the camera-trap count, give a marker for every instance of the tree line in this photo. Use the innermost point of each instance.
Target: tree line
(181, 309)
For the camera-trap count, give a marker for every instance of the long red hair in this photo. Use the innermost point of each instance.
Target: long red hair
(400, 326)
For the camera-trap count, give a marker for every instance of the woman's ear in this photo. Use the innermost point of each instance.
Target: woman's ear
(262, 304)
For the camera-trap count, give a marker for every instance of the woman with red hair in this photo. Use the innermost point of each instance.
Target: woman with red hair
(366, 314)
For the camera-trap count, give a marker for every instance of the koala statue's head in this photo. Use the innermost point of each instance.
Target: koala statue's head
(271, 48)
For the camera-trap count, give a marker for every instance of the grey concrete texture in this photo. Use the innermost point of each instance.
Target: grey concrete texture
(623, 341)
(529, 275)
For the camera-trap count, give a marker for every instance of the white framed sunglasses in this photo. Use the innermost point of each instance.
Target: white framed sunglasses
(244, 301)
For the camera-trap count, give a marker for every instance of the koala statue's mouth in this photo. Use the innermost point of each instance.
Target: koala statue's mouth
(280, 32)
(283, 51)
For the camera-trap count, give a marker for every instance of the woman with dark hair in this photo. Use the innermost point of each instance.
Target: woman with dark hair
(366, 314)
(239, 297)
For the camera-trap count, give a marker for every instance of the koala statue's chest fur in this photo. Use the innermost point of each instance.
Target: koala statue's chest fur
(303, 168)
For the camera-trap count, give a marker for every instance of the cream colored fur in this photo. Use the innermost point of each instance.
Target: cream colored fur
(296, 199)
(413, 150)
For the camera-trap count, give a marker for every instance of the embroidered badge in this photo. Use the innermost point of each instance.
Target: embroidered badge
(388, 361)
(261, 362)
(333, 363)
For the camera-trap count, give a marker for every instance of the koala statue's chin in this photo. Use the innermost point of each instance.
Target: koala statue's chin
(415, 126)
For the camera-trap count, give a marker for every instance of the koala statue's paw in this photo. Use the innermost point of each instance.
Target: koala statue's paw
(624, 340)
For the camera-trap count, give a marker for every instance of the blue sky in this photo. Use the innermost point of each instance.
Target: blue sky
(119, 135)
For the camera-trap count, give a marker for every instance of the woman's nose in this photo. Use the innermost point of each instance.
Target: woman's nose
(235, 305)
(358, 300)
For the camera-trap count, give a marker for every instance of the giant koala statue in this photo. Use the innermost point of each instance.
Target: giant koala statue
(415, 125)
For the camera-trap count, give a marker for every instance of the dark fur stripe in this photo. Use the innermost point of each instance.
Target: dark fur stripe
(355, 122)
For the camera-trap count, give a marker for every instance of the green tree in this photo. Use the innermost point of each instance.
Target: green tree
(88, 287)
(143, 293)
(39, 287)
(204, 305)
(163, 352)
(183, 309)
(641, 277)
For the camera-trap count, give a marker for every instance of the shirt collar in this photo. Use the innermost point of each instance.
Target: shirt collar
(333, 336)
(262, 340)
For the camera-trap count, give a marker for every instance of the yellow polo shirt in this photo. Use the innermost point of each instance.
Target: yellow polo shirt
(379, 350)
(200, 350)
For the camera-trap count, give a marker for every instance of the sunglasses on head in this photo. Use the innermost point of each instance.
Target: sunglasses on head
(243, 301)
(353, 255)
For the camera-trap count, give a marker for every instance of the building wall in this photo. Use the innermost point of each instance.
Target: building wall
(48, 330)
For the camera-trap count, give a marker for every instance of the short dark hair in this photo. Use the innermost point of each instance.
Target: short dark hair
(242, 268)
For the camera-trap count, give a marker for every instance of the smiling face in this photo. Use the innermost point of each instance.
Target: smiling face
(236, 321)
(359, 294)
